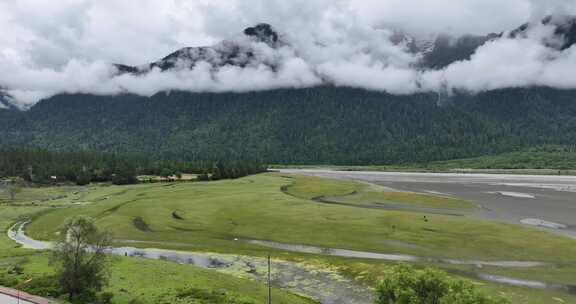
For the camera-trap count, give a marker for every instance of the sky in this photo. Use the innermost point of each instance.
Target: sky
(67, 46)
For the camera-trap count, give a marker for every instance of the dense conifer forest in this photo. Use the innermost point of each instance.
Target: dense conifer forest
(323, 125)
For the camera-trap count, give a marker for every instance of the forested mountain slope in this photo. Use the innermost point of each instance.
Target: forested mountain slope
(303, 126)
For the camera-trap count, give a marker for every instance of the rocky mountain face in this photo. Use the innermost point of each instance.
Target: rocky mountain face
(5, 101)
(563, 31)
(446, 50)
(238, 52)
(441, 50)
(437, 51)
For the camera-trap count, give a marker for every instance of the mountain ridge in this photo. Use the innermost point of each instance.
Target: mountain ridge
(323, 124)
(234, 52)
(437, 52)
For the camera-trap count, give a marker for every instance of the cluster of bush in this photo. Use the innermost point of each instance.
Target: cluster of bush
(406, 285)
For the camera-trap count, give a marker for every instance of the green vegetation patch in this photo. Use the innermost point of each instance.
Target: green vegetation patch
(132, 280)
(255, 207)
(340, 191)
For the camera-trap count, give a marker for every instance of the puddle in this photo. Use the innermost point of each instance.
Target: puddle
(514, 194)
(510, 281)
(570, 289)
(543, 223)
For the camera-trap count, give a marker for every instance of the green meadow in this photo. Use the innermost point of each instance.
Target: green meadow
(132, 280)
(218, 216)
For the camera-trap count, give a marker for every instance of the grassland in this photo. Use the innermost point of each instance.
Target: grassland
(130, 278)
(214, 214)
(210, 216)
(310, 187)
(155, 281)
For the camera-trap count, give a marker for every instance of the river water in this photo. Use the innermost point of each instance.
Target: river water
(324, 286)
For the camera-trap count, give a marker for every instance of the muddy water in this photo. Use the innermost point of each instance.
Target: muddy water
(321, 285)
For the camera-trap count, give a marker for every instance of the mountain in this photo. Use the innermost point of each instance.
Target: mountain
(439, 51)
(446, 50)
(564, 31)
(5, 101)
(325, 124)
(238, 52)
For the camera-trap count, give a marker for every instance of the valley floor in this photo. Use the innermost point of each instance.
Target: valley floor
(281, 213)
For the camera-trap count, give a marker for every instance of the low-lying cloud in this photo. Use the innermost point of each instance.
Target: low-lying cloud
(342, 42)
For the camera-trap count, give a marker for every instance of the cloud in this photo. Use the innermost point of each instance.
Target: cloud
(68, 46)
(449, 16)
(509, 63)
(540, 9)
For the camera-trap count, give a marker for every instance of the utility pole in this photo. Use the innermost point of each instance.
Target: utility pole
(20, 287)
(269, 281)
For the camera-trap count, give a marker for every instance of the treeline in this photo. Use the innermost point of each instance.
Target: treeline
(44, 167)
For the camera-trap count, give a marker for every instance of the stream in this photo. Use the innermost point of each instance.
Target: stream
(326, 287)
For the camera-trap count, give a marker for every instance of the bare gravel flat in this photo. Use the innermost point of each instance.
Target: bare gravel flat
(545, 200)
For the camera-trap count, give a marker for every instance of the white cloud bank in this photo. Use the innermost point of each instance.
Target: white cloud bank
(66, 46)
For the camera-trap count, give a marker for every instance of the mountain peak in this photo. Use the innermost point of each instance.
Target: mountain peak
(5, 101)
(564, 32)
(227, 52)
(263, 32)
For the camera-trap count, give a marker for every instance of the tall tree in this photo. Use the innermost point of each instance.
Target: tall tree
(13, 187)
(80, 257)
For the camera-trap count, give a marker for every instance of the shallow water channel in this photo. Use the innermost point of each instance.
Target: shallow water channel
(324, 286)
(321, 285)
